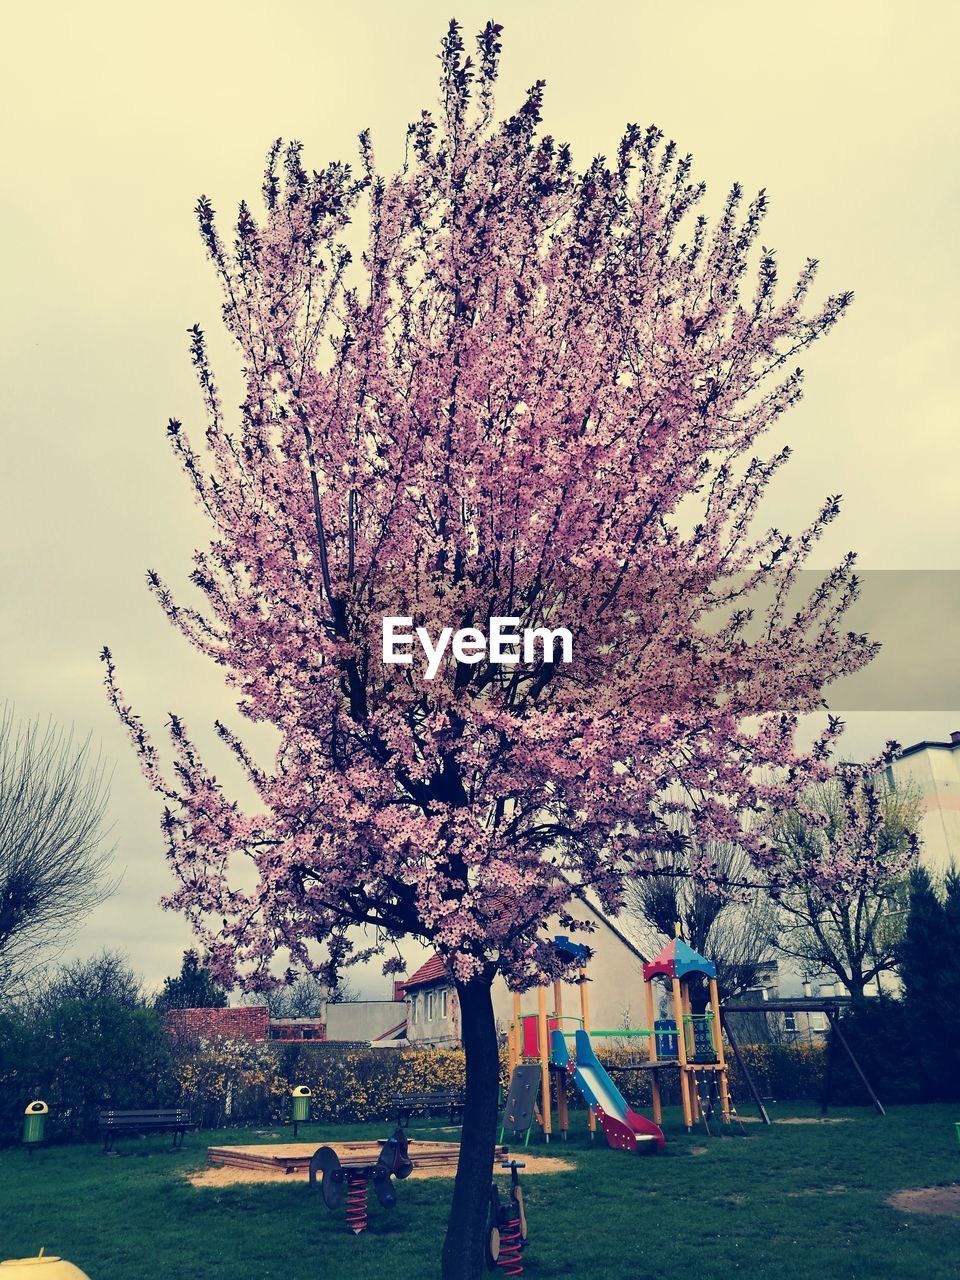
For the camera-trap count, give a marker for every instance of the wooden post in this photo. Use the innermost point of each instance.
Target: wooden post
(585, 1019)
(682, 1054)
(718, 1049)
(559, 1080)
(544, 1060)
(652, 1050)
(515, 1039)
(690, 1039)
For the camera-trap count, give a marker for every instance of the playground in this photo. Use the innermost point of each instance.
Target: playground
(592, 1184)
(789, 1202)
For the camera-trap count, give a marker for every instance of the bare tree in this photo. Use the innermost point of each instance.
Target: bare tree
(863, 828)
(53, 860)
(304, 998)
(104, 976)
(735, 927)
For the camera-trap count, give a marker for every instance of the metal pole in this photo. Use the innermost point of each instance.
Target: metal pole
(835, 1024)
(755, 1093)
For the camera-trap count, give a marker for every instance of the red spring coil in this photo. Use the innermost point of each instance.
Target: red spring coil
(511, 1243)
(357, 1205)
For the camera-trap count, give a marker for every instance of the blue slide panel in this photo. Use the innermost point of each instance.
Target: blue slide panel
(592, 1070)
(588, 1059)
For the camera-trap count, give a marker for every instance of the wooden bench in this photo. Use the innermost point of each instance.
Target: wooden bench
(406, 1105)
(117, 1123)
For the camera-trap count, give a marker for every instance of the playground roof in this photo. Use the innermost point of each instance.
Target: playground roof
(676, 960)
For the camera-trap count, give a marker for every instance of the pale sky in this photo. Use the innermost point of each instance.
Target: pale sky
(118, 116)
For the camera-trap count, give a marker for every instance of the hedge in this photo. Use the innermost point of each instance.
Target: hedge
(87, 1055)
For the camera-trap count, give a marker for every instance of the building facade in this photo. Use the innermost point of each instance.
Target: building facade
(433, 1012)
(614, 975)
(935, 768)
(350, 1022)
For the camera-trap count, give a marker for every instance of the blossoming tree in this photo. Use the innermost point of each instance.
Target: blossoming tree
(536, 395)
(841, 875)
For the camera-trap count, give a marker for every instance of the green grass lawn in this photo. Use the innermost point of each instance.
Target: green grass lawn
(784, 1203)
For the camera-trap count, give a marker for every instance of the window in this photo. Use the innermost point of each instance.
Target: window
(428, 1017)
(414, 1008)
(789, 1022)
(443, 1004)
(818, 1022)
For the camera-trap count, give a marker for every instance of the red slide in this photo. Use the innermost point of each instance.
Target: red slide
(630, 1132)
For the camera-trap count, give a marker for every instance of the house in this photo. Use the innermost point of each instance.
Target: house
(615, 974)
(297, 1030)
(243, 1022)
(433, 1012)
(784, 1026)
(935, 768)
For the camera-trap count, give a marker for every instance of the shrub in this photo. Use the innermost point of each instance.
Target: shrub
(355, 1083)
(79, 1057)
(222, 1079)
(879, 1033)
(782, 1072)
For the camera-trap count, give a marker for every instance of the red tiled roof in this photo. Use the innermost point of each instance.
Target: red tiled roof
(432, 971)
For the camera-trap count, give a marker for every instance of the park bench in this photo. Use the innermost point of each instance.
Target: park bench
(117, 1123)
(406, 1105)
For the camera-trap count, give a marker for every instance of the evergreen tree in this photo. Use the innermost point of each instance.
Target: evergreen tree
(928, 969)
(193, 988)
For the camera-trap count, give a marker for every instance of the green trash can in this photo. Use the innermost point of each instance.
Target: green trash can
(300, 1107)
(35, 1124)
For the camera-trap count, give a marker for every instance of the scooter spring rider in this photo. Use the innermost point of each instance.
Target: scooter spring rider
(507, 1226)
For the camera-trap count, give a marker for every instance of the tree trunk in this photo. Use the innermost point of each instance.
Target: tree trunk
(463, 1246)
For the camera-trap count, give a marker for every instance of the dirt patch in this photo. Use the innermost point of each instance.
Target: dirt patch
(224, 1176)
(838, 1190)
(800, 1120)
(942, 1200)
(699, 1151)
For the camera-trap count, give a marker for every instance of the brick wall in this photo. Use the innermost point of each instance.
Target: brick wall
(245, 1023)
(297, 1029)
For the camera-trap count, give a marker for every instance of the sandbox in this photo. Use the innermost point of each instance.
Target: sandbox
(272, 1162)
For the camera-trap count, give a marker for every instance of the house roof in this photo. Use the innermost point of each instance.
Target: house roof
(617, 932)
(932, 746)
(433, 970)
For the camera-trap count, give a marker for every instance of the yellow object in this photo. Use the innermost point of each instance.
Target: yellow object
(717, 1031)
(41, 1268)
(544, 1060)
